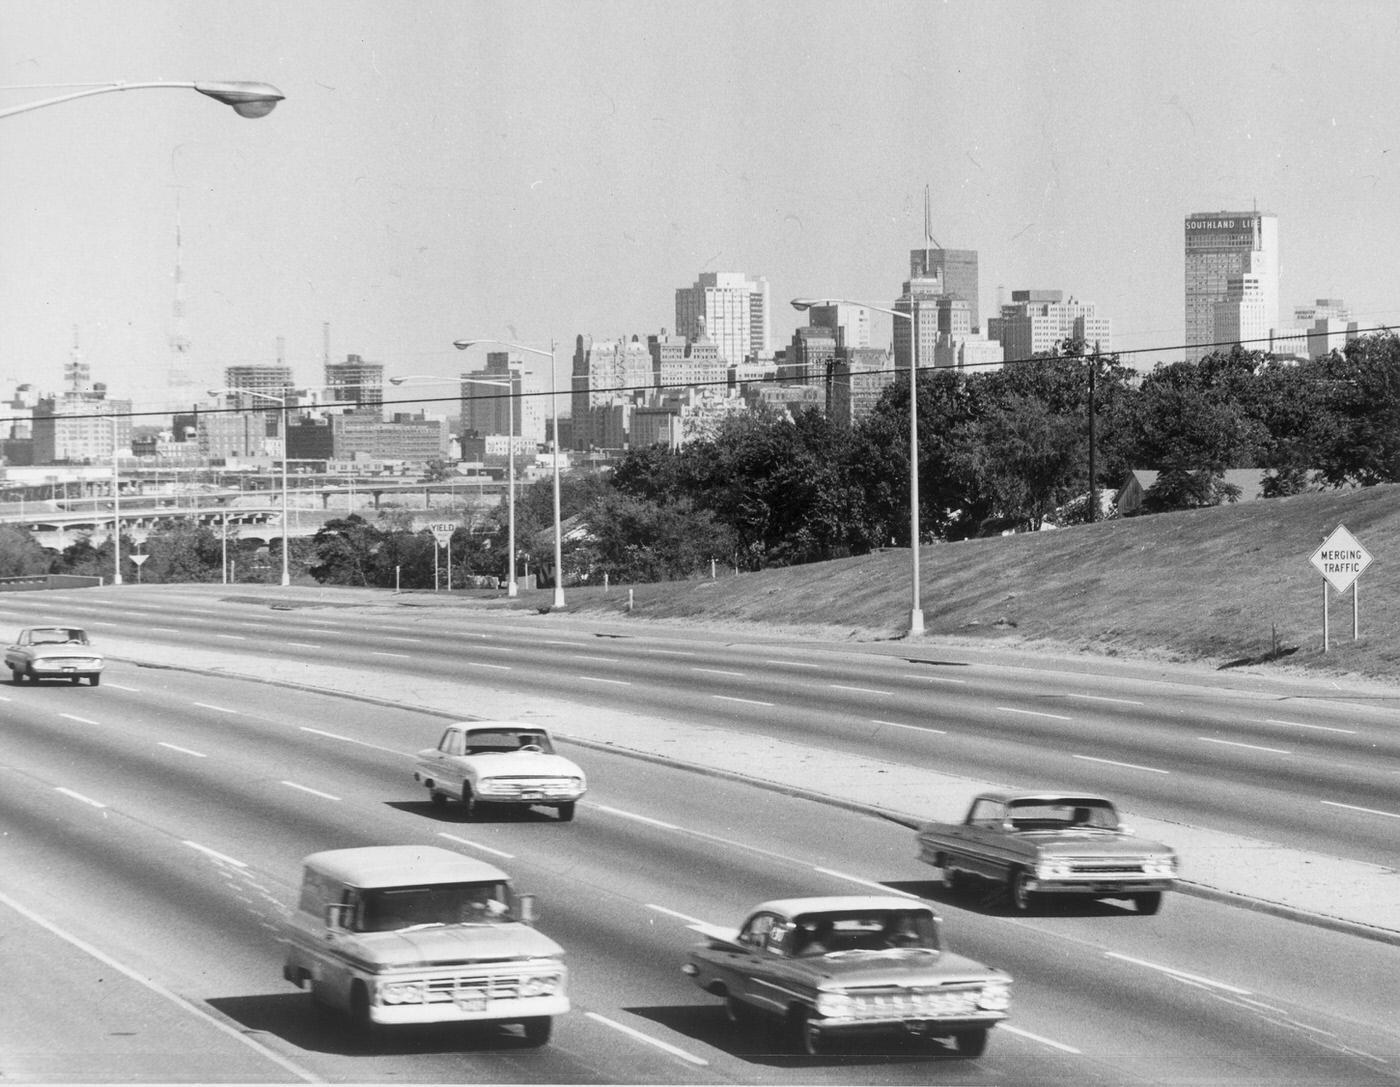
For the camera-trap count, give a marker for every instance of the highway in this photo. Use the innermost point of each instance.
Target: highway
(150, 833)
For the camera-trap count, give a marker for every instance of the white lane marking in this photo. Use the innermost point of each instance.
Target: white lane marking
(1126, 765)
(1250, 747)
(601, 679)
(165, 630)
(182, 750)
(1035, 713)
(745, 701)
(1037, 1038)
(1105, 698)
(352, 740)
(600, 660)
(475, 845)
(717, 672)
(1179, 974)
(648, 1039)
(882, 888)
(219, 709)
(301, 645)
(494, 667)
(79, 796)
(74, 717)
(121, 687)
(1300, 724)
(497, 648)
(233, 637)
(224, 857)
(916, 728)
(670, 652)
(638, 818)
(855, 690)
(308, 789)
(571, 645)
(385, 653)
(1368, 811)
(236, 1033)
(933, 679)
(794, 664)
(675, 913)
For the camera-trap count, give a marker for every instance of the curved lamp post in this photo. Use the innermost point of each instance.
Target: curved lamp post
(116, 509)
(286, 524)
(512, 589)
(246, 99)
(916, 611)
(462, 345)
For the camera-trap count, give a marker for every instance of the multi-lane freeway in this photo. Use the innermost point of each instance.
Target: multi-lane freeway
(151, 829)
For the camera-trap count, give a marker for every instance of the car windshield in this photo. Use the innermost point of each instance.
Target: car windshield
(506, 740)
(390, 909)
(1063, 815)
(865, 930)
(58, 636)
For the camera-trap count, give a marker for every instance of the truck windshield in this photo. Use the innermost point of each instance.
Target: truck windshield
(388, 909)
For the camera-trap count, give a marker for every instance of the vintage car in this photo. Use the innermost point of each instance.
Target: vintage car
(499, 762)
(1045, 843)
(822, 968)
(54, 653)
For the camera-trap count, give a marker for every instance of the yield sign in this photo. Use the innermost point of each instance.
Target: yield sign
(1341, 558)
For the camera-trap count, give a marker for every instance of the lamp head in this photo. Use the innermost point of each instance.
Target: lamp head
(462, 345)
(804, 303)
(247, 99)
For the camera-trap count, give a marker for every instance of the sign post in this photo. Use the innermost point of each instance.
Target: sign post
(1341, 560)
(442, 532)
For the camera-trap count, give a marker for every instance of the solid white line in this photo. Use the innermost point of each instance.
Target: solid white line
(673, 1050)
(916, 728)
(675, 913)
(1368, 811)
(1300, 724)
(1251, 747)
(855, 690)
(220, 709)
(236, 1033)
(1127, 765)
(80, 796)
(639, 818)
(1035, 713)
(1037, 1038)
(475, 845)
(214, 854)
(746, 701)
(1180, 974)
(882, 888)
(1105, 698)
(308, 789)
(80, 720)
(352, 740)
(182, 750)
(601, 679)
(717, 672)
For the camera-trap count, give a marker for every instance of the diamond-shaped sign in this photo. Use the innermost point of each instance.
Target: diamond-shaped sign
(1341, 559)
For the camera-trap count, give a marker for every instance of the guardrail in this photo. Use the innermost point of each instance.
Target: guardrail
(47, 581)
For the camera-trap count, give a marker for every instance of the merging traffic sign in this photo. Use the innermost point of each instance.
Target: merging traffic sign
(1341, 559)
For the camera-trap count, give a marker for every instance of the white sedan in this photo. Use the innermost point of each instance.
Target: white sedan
(54, 653)
(499, 762)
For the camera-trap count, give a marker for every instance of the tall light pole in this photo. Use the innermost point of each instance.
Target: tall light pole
(116, 508)
(512, 589)
(916, 611)
(246, 99)
(462, 345)
(286, 523)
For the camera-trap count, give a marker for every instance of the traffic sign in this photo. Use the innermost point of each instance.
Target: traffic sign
(442, 531)
(1341, 559)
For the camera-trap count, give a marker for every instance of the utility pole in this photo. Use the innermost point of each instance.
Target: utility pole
(1093, 475)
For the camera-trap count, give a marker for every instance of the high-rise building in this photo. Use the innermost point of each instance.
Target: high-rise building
(79, 429)
(605, 372)
(679, 362)
(956, 269)
(849, 324)
(1035, 321)
(356, 382)
(1241, 317)
(1220, 245)
(732, 309)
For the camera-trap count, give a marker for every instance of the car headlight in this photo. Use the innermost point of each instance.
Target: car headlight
(576, 784)
(402, 992)
(835, 1005)
(1160, 866)
(1052, 869)
(541, 985)
(489, 785)
(995, 996)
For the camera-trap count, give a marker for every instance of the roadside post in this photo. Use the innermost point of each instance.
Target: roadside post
(1341, 560)
(442, 532)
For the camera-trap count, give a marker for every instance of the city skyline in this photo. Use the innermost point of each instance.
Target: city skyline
(408, 193)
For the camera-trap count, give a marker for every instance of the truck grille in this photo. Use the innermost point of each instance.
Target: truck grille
(488, 988)
(1107, 869)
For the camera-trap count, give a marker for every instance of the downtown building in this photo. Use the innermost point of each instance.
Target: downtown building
(1035, 322)
(357, 383)
(730, 308)
(1232, 257)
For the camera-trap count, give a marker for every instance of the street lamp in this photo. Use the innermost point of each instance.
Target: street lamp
(246, 99)
(286, 524)
(512, 589)
(462, 345)
(116, 509)
(916, 611)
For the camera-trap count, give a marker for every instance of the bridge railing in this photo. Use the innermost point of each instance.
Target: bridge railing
(47, 581)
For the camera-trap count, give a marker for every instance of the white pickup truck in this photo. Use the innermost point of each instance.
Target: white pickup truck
(54, 653)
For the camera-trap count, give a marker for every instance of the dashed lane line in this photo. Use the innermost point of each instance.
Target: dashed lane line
(476, 845)
(916, 728)
(182, 750)
(632, 1032)
(1125, 765)
(1248, 747)
(308, 789)
(79, 796)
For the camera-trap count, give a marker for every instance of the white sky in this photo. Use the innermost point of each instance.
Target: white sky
(444, 169)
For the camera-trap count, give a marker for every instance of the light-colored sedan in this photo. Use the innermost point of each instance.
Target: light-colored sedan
(54, 653)
(499, 762)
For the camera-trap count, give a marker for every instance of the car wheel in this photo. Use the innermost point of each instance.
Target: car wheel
(16, 676)
(1148, 902)
(438, 799)
(74, 680)
(971, 1043)
(1022, 897)
(538, 1029)
(566, 812)
(954, 881)
(469, 801)
(366, 1030)
(94, 679)
(737, 1012)
(806, 1035)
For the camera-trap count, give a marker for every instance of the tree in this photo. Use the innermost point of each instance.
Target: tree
(344, 550)
(21, 555)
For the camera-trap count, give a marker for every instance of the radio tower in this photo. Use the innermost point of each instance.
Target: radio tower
(75, 369)
(179, 376)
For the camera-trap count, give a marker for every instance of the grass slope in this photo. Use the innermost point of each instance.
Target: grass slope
(1221, 585)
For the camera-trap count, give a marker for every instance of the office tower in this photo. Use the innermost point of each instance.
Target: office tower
(356, 382)
(730, 308)
(849, 323)
(491, 402)
(955, 268)
(272, 381)
(920, 300)
(605, 373)
(1241, 317)
(1035, 321)
(1220, 245)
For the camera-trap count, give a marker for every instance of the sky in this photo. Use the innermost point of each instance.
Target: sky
(533, 170)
